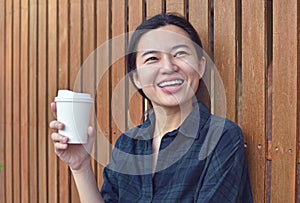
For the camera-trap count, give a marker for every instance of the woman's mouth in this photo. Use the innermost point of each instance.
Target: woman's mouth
(170, 83)
(171, 86)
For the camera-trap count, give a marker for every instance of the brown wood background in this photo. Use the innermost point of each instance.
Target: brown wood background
(43, 43)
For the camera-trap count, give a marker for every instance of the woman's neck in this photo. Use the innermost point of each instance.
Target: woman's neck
(169, 118)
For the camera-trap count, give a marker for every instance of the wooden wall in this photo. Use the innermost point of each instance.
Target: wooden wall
(43, 43)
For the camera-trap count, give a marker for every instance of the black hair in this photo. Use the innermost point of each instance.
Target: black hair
(155, 22)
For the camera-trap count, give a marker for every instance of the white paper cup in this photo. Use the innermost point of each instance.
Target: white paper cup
(74, 110)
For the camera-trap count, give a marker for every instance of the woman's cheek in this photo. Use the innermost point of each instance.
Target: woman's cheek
(146, 76)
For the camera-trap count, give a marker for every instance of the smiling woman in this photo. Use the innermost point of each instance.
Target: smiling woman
(181, 153)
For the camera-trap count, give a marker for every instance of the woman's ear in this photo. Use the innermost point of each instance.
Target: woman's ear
(201, 66)
(136, 80)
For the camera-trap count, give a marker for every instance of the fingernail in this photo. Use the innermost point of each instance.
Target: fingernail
(59, 125)
(63, 139)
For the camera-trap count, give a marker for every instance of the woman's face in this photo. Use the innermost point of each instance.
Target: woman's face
(168, 69)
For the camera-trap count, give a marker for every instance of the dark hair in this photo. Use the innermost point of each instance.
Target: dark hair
(155, 22)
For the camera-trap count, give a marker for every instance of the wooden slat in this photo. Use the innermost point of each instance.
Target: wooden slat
(199, 17)
(136, 109)
(52, 91)
(24, 92)
(254, 69)
(225, 47)
(8, 104)
(153, 7)
(63, 83)
(88, 46)
(176, 6)
(285, 105)
(103, 94)
(2, 101)
(33, 111)
(88, 67)
(75, 43)
(75, 62)
(16, 98)
(118, 70)
(202, 25)
(42, 101)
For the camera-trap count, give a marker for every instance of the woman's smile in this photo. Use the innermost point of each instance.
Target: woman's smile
(171, 86)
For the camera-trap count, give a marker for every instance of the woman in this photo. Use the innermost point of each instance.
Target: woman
(181, 153)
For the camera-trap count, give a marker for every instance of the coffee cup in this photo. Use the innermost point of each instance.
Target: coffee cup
(74, 111)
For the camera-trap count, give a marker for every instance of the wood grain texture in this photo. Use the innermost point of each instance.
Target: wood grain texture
(63, 83)
(202, 25)
(53, 183)
(8, 170)
(75, 35)
(118, 102)
(33, 97)
(24, 101)
(153, 7)
(254, 66)
(2, 101)
(103, 88)
(136, 101)
(42, 125)
(176, 6)
(16, 101)
(285, 105)
(225, 57)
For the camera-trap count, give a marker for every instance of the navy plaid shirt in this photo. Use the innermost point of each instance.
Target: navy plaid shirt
(202, 161)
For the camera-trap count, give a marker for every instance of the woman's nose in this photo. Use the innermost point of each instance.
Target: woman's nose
(168, 64)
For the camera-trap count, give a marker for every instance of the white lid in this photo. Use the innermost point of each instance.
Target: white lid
(67, 95)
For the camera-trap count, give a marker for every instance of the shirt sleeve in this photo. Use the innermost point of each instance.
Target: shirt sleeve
(226, 178)
(109, 190)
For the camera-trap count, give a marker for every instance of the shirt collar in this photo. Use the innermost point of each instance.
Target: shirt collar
(190, 127)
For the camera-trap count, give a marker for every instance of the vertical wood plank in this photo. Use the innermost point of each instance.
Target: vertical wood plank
(75, 61)
(2, 101)
(225, 47)
(24, 95)
(177, 6)
(135, 17)
(63, 83)
(118, 70)
(199, 16)
(88, 46)
(15, 101)
(153, 7)
(42, 100)
(103, 88)
(52, 90)
(88, 57)
(285, 106)
(8, 101)
(253, 93)
(33, 143)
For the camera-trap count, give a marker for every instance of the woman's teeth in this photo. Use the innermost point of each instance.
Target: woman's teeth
(170, 83)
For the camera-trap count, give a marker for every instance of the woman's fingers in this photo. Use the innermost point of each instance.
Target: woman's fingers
(59, 138)
(53, 108)
(59, 146)
(56, 125)
(91, 134)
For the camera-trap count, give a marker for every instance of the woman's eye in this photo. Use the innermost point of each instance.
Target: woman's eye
(151, 59)
(180, 53)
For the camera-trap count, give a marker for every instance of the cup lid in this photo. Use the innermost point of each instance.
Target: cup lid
(67, 95)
